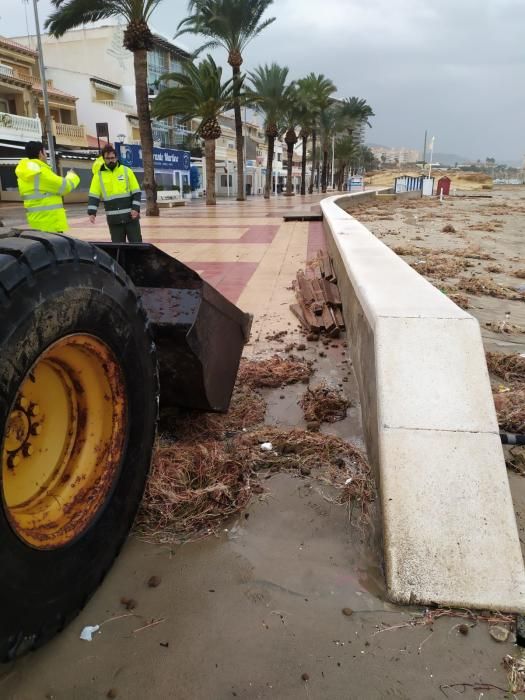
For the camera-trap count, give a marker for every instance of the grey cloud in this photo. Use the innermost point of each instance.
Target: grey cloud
(454, 67)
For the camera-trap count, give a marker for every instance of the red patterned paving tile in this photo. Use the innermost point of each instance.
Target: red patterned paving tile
(255, 234)
(228, 278)
(316, 238)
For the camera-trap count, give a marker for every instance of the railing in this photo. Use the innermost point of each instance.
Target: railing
(69, 134)
(10, 72)
(73, 131)
(6, 70)
(120, 106)
(33, 79)
(17, 128)
(14, 74)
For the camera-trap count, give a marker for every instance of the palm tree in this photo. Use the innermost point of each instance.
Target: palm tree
(231, 24)
(307, 115)
(317, 90)
(270, 94)
(291, 119)
(199, 93)
(354, 112)
(346, 153)
(139, 40)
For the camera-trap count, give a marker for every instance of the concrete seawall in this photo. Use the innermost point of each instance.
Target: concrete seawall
(450, 535)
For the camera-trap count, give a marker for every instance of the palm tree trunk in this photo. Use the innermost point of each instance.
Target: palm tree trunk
(209, 152)
(140, 63)
(314, 151)
(269, 167)
(239, 139)
(289, 192)
(303, 166)
(324, 171)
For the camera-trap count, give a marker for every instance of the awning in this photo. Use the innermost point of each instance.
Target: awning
(3, 144)
(105, 85)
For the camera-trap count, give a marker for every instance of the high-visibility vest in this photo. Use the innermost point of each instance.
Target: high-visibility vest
(120, 191)
(41, 191)
(99, 162)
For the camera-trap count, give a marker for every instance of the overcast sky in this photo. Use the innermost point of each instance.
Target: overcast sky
(453, 67)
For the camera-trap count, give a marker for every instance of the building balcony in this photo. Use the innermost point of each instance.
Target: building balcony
(119, 106)
(6, 71)
(70, 134)
(16, 128)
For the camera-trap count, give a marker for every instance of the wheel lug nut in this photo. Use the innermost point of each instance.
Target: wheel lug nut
(34, 409)
(36, 429)
(23, 403)
(12, 461)
(27, 449)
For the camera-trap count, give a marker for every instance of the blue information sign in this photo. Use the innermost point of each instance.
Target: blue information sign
(163, 158)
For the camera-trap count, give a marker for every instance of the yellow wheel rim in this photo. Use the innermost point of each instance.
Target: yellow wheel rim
(63, 441)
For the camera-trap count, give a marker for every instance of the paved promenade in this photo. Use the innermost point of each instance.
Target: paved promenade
(244, 249)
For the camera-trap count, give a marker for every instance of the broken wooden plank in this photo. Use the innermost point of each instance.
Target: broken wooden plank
(328, 269)
(318, 294)
(320, 261)
(298, 313)
(313, 321)
(309, 273)
(338, 315)
(328, 320)
(331, 293)
(305, 288)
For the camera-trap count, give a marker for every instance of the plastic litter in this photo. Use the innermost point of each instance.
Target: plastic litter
(348, 481)
(267, 446)
(88, 632)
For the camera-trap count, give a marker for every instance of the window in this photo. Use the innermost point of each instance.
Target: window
(103, 96)
(224, 180)
(158, 64)
(65, 116)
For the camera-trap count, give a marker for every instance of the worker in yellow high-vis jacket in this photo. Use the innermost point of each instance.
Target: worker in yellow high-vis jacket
(118, 187)
(42, 190)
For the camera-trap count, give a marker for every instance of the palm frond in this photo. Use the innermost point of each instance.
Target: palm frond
(74, 13)
(199, 92)
(232, 23)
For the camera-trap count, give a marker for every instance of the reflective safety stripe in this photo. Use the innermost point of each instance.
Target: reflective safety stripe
(94, 196)
(92, 207)
(63, 187)
(127, 178)
(136, 191)
(123, 195)
(48, 208)
(35, 195)
(102, 188)
(117, 211)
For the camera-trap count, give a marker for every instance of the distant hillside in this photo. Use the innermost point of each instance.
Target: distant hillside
(448, 158)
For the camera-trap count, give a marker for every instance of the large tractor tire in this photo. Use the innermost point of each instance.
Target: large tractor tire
(78, 410)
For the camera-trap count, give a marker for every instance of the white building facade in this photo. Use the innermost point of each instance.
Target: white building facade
(93, 64)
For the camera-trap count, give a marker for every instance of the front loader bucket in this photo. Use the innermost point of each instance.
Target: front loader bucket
(199, 334)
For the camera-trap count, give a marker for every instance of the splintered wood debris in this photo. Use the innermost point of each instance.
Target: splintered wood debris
(318, 306)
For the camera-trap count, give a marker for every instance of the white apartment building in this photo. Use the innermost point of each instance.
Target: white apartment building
(386, 154)
(92, 64)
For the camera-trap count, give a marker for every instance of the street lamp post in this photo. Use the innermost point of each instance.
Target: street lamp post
(431, 149)
(333, 161)
(47, 113)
